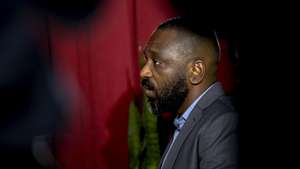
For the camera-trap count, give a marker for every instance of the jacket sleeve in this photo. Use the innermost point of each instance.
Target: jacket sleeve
(217, 145)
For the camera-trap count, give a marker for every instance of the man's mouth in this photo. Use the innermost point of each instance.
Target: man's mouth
(150, 93)
(148, 88)
(147, 84)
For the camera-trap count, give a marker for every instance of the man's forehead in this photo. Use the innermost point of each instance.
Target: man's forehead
(167, 41)
(164, 35)
(161, 39)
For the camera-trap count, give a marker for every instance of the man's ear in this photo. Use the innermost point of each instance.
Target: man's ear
(197, 72)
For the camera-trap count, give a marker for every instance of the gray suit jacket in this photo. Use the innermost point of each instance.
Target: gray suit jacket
(208, 139)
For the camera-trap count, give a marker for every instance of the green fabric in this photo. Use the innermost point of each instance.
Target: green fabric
(143, 138)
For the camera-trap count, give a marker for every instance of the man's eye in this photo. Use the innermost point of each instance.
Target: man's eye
(156, 62)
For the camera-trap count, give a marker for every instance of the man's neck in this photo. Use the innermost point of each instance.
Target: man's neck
(193, 94)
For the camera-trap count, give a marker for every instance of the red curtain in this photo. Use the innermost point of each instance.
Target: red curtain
(100, 60)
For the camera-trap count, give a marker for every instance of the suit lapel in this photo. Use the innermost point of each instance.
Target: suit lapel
(165, 152)
(186, 129)
(211, 95)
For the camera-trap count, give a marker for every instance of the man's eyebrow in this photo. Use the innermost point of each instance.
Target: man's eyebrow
(150, 52)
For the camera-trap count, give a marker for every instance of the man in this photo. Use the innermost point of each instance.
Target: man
(179, 76)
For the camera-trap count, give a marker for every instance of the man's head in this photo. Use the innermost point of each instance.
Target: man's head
(180, 63)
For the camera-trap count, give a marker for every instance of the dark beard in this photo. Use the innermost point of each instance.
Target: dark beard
(171, 96)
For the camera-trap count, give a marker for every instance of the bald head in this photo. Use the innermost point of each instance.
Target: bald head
(190, 42)
(194, 34)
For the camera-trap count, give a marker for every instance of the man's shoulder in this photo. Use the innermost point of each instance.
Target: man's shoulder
(218, 117)
(221, 108)
(224, 102)
(214, 105)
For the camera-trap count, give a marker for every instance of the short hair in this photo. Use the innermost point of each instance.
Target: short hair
(192, 26)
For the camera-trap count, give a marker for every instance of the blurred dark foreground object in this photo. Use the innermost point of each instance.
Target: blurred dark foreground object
(31, 97)
(31, 105)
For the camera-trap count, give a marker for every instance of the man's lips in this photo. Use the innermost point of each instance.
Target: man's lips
(146, 84)
(148, 88)
(149, 93)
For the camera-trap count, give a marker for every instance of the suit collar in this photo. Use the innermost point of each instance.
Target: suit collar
(211, 95)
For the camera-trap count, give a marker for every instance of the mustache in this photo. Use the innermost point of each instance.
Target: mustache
(147, 84)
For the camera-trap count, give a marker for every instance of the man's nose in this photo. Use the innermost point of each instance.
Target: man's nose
(145, 72)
